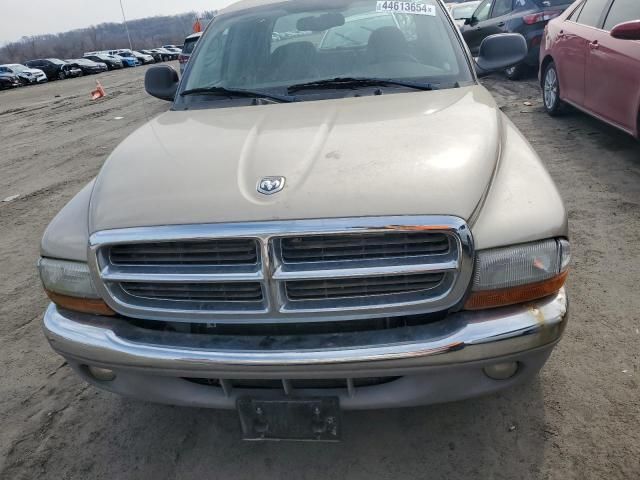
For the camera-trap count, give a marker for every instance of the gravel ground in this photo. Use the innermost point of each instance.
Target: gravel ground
(579, 419)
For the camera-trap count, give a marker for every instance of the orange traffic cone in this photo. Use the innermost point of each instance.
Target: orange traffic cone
(98, 92)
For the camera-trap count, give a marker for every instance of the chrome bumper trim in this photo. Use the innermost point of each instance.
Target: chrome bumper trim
(461, 337)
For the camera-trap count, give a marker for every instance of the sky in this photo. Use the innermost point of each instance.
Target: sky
(20, 18)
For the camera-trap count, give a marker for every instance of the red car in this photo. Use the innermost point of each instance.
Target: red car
(590, 58)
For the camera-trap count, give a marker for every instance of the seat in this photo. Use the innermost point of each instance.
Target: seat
(387, 44)
(294, 61)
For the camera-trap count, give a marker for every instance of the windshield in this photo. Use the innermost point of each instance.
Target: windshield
(273, 47)
(57, 61)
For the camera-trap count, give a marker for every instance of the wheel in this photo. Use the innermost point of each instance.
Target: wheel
(551, 91)
(61, 75)
(515, 72)
(81, 73)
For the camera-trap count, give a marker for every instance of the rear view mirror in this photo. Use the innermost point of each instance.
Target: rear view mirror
(500, 51)
(627, 30)
(162, 82)
(320, 23)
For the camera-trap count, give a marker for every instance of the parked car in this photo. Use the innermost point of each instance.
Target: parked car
(143, 58)
(174, 50)
(301, 273)
(165, 55)
(8, 80)
(112, 62)
(527, 17)
(173, 55)
(590, 58)
(157, 56)
(462, 11)
(88, 66)
(54, 68)
(189, 44)
(26, 75)
(127, 57)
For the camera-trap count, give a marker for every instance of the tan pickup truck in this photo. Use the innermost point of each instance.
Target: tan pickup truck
(334, 214)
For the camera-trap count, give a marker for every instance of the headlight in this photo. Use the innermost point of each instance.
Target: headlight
(521, 273)
(69, 285)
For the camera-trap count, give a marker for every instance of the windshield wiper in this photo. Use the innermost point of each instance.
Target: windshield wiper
(349, 82)
(232, 92)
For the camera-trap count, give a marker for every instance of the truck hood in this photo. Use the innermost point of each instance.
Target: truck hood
(397, 154)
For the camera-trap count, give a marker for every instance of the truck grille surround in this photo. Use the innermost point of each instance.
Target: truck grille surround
(285, 271)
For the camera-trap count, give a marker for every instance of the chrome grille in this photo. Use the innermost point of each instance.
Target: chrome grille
(209, 252)
(285, 271)
(196, 292)
(332, 248)
(362, 287)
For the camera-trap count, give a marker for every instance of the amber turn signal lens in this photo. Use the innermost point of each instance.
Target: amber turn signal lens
(83, 305)
(513, 295)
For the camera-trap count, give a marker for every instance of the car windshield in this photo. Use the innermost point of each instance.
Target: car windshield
(18, 68)
(57, 61)
(273, 47)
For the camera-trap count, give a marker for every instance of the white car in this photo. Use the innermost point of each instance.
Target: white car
(143, 58)
(462, 11)
(27, 76)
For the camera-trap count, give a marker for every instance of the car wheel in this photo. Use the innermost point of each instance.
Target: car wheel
(61, 76)
(551, 90)
(515, 72)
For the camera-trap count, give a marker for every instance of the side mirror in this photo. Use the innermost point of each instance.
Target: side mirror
(469, 21)
(500, 51)
(162, 82)
(627, 30)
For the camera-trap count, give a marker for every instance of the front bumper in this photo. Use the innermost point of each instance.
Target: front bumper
(437, 362)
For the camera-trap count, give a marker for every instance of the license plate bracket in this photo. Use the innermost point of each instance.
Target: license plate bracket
(296, 419)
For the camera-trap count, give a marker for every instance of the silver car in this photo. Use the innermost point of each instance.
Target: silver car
(26, 75)
(355, 226)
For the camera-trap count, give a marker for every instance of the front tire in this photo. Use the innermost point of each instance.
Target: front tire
(61, 76)
(551, 91)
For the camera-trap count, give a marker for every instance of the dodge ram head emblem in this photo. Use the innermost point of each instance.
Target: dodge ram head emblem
(271, 185)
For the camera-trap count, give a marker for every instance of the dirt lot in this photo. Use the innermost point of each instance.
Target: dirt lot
(578, 420)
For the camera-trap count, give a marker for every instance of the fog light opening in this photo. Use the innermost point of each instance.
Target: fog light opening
(101, 374)
(501, 371)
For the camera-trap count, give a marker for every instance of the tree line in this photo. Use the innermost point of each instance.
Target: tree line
(145, 33)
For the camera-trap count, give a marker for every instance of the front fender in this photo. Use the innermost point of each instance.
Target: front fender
(523, 203)
(67, 236)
